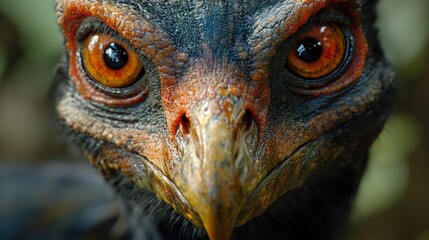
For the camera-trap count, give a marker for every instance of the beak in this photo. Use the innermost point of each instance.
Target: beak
(215, 176)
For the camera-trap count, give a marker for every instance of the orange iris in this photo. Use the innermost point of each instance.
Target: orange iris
(110, 61)
(317, 52)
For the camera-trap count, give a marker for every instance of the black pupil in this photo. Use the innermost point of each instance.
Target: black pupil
(115, 56)
(309, 50)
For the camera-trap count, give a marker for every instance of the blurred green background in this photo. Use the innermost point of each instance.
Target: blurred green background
(393, 202)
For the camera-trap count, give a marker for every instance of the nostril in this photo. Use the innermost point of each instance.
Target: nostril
(185, 124)
(182, 135)
(248, 120)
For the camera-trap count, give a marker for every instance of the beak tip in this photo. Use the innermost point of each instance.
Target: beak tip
(219, 222)
(219, 231)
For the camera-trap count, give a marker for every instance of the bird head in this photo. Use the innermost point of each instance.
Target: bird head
(220, 107)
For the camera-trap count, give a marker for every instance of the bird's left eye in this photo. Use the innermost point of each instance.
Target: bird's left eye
(318, 52)
(110, 62)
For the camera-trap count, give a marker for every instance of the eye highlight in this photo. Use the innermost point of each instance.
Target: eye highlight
(110, 62)
(318, 52)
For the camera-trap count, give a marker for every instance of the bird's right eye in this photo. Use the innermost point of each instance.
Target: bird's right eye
(111, 62)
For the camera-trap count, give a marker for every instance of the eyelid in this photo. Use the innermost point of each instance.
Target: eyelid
(324, 17)
(92, 25)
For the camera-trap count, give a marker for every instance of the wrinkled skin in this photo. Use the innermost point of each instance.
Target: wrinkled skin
(218, 140)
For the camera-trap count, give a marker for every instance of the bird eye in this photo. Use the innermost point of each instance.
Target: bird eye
(111, 62)
(318, 52)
